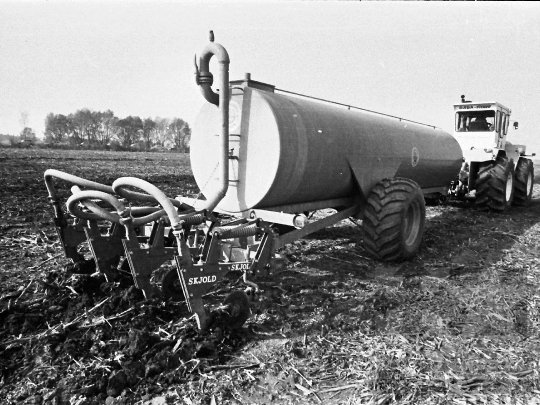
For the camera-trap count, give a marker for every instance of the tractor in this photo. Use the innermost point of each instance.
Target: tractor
(495, 172)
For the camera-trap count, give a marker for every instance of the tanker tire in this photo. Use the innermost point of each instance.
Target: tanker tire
(394, 220)
(494, 186)
(523, 182)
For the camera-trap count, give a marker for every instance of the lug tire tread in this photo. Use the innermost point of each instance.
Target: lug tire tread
(491, 185)
(522, 196)
(383, 218)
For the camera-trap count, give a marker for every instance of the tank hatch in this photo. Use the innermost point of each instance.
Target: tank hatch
(247, 82)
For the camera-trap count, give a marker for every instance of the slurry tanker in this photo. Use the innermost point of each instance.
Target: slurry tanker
(265, 159)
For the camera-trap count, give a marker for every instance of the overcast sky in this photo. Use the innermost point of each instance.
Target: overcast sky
(410, 59)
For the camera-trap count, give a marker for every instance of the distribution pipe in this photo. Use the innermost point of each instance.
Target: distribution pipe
(99, 213)
(79, 181)
(133, 195)
(122, 216)
(154, 213)
(204, 79)
(155, 192)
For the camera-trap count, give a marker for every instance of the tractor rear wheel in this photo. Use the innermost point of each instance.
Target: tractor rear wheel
(394, 220)
(495, 185)
(523, 179)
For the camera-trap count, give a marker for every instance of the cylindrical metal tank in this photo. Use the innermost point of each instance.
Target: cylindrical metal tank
(288, 150)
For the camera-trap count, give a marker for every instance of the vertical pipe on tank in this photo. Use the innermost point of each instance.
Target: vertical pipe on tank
(205, 79)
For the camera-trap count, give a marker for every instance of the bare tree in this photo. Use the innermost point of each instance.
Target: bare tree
(159, 133)
(181, 134)
(148, 126)
(57, 127)
(130, 129)
(107, 127)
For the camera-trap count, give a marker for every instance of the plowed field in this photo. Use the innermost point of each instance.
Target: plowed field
(459, 324)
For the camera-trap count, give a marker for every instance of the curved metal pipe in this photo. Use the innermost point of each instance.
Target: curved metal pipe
(154, 213)
(143, 220)
(205, 79)
(79, 181)
(155, 192)
(55, 202)
(99, 213)
(133, 195)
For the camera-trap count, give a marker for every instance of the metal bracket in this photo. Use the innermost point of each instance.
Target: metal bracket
(70, 236)
(318, 225)
(197, 279)
(142, 261)
(106, 249)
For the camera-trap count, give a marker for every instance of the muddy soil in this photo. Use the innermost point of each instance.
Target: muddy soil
(333, 327)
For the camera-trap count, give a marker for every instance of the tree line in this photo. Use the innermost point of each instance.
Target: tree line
(104, 130)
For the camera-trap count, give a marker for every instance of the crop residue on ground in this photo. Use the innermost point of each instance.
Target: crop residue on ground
(458, 324)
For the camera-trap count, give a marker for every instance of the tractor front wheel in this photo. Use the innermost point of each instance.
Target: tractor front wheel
(394, 220)
(495, 185)
(523, 179)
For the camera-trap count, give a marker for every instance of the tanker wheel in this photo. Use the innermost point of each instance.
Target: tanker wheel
(238, 310)
(523, 182)
(495, 185)
(171, 286)
(394, 220)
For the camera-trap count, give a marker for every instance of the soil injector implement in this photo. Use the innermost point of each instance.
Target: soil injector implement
(264, 159)
(146, 236)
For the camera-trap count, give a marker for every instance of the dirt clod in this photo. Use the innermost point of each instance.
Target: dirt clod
(117, 383)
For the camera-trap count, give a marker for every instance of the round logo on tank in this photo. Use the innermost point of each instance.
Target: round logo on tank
(415, 157)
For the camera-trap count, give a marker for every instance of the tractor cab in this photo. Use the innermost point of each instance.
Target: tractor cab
(481, 129)
(494, 171)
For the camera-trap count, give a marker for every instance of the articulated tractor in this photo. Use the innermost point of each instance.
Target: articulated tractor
(497, 172)
(265, 160)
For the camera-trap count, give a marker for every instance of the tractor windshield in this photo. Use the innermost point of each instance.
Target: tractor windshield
(475, 121)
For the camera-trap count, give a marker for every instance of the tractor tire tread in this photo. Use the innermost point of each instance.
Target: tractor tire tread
(491, 185)
(522, 196)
